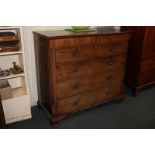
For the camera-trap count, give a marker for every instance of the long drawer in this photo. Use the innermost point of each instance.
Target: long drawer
(75, 70)
(61, 43)
(86, 53)
(75, 103)
(89, 83)
(72, 42)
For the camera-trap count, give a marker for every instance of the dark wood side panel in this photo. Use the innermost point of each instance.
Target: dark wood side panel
(149, 40)
(141, 57)
(134, 54)
(42, 68)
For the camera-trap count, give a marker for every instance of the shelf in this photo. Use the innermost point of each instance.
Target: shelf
(17, 92)
(12, 76)
(21, 91)
(9, 27)
(10, 53)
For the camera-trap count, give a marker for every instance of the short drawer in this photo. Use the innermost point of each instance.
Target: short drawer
(72, 42)
(75, 103)
(89, 83)
(119, 40)
(75, 54)
(110, 50)
(75, 70)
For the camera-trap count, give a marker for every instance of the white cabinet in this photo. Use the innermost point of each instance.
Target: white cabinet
(18, 107)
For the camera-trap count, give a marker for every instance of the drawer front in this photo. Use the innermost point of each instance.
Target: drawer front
(89, 83)
(110, 50)
(119, 40)
(72, 42)
(75, 54)
(147, 77)
(72, 71)
(75, 103)
(87, 53)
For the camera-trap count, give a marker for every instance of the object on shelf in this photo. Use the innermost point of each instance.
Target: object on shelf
(4, 73)
(9, 48)
(16, 69)
(8, 42)
(5, 90)
(8, 36)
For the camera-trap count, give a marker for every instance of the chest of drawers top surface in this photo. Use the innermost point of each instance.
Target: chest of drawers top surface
(65, 34)
(62, 39)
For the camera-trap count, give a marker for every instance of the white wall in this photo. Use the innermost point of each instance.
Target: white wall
(30, 57)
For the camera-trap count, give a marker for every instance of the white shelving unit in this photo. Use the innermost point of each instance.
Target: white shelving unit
(18, 107)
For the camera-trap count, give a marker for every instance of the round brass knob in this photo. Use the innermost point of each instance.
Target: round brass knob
(109, 61)
(76, 69)
(76, 53)
(109, 77)
(76, 86)
(76, 103)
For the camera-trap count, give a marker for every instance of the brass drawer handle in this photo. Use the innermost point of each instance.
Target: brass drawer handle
(76, 86)
(109, 62)
(76, 103)
(76, 69)
(107, 92)
(1, 49)
(76, 53)
(112, 48)
(109, 77)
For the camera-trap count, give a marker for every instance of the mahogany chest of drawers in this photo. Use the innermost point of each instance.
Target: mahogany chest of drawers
(77, 71)
(140, 70)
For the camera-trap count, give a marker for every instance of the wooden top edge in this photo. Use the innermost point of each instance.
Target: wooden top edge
(64, 34)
